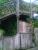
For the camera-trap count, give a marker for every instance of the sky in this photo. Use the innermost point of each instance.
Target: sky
(29, 0)
(33, 1)
(35, 15)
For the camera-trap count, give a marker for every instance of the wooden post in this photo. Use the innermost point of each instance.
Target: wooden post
(31, 21)
(17, 14)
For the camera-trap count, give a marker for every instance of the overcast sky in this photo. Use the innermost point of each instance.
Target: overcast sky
(29, 0)
(33, 1)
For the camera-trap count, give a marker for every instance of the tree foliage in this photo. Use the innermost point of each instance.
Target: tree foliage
(9, 6)
(9, 26)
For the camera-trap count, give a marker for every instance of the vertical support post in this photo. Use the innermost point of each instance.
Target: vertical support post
(30, 9)
(31, 20)
(31, 13)
(17, 14)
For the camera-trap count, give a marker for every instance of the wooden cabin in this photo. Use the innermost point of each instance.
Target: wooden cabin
(9, 25)
(8, 22)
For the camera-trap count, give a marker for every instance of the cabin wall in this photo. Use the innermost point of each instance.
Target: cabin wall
(25, 27)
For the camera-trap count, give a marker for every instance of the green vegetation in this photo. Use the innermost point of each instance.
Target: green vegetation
(3, 1)
(24, 6)
(1, 32)
(11, 28)
(35, 23)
